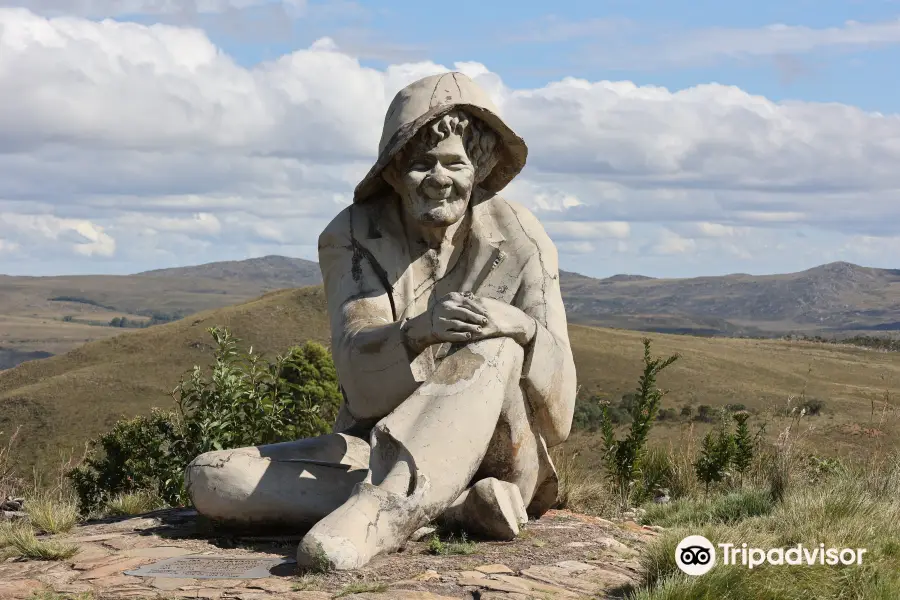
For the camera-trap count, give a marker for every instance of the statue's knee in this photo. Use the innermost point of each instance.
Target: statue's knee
(213, 475)
(506, 353)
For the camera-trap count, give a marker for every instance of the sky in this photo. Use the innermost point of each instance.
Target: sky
(666, 138)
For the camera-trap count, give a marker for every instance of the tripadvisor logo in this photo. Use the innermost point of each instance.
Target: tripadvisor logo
(696, 555)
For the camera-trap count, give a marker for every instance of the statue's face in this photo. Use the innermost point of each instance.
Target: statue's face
(435, 183)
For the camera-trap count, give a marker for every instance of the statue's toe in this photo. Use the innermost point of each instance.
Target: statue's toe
(498, 508)
(491, 508)
(372, 521)
(319, 551)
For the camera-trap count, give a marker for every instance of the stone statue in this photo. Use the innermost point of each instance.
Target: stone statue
(449, 337)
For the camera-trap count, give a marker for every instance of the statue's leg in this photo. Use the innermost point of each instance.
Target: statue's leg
(515, 465)
(424, 454)
(291, 484)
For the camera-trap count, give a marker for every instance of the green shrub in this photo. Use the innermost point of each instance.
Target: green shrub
(705, 414)
(245, 400)
(622, 457)
(716, 454)
(589, 413)
(666, 414)
(744, 445)
(812, 406)
(144, 453)
(655, 473)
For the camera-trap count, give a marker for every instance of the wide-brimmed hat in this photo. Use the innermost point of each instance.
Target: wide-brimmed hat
(424, 100)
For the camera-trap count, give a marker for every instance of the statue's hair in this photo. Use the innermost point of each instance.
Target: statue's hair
(479, 140)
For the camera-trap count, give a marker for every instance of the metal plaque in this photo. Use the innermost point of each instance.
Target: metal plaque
(211, 567)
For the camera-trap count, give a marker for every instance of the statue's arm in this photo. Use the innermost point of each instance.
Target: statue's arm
(549, 370)
(370, 354)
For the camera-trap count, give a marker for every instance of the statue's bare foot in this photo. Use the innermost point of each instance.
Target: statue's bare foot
(372, 521)
(491, 508)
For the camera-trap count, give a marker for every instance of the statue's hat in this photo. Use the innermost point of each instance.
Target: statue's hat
(424, 100)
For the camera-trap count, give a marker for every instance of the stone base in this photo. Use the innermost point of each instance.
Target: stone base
(562, 555)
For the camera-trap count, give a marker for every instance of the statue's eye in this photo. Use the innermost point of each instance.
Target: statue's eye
(418, 166)
(457, 164)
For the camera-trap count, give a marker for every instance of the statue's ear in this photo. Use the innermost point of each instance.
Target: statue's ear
(391, 174)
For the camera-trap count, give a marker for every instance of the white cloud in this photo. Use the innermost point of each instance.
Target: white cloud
(670, 242)
(580, 230)
(148, 144)
(79, 235)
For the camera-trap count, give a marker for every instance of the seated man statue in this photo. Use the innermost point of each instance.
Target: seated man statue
(450, 342)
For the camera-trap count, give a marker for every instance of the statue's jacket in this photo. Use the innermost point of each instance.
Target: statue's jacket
(508, 256)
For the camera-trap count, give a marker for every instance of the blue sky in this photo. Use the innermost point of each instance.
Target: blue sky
(530, 46)
(666, 138)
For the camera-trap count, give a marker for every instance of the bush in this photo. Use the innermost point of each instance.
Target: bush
(812, 406)
(622, 458)
(687, 412)
(144, 453)
(716, 454)
(589, 413)
(705, 414)
(244, 401)
(666, 414)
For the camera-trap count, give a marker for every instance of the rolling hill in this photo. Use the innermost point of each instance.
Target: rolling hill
(62, 401)
(56, 314)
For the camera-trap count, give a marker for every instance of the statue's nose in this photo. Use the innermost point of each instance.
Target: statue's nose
(438, 179)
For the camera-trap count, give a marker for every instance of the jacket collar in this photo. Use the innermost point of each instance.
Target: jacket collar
(380, 230)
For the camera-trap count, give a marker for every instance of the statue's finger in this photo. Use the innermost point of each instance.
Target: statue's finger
(475, 305)
(456, 336)
(458, 325)
(464, 314)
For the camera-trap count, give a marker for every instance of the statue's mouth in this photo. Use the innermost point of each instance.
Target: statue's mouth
(438, 195)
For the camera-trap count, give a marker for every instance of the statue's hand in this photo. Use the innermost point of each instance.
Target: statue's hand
(454, 318)
(503, 320)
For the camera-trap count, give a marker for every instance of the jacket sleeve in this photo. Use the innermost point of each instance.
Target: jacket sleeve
(371, 357)
(548, 374)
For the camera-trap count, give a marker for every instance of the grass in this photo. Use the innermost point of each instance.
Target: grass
(729, 508)
(581, 491)
(787, 498)
(10, 483)
(51, 512)
(846, 512)
(17, 539)
(51, 595)
(452, 546)
(362, 587)
(133, 504)
(307, 582)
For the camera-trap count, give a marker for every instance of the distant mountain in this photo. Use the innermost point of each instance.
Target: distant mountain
(830, 298)
(268, 271)
(57, 314)
(835, 297)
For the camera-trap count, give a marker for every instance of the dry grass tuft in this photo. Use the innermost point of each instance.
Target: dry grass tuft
(133, 504)
(51, 512)
(18, 540)
(580, 489)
